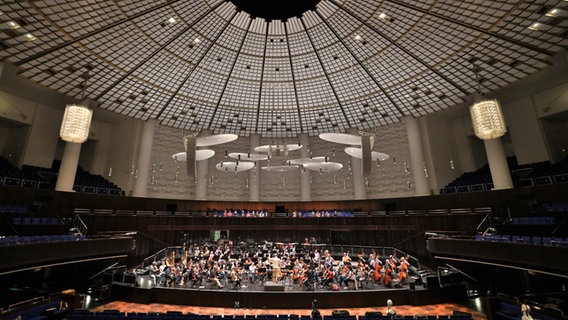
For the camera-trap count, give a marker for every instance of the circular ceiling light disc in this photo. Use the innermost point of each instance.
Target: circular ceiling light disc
(305, 161)
(324, 166)
(358, 153)
(215, 139)
(232, 166)
(248, 156)
(204, 154)
(180, 156)
(277, 147)
(279, 168)
(342, 138)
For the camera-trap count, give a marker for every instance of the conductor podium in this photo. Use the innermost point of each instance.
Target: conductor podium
(273, 286)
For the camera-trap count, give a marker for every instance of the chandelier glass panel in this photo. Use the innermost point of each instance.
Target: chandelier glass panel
(487, 118)
(76, 123)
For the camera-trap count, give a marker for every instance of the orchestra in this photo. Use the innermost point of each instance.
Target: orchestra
(307, 265)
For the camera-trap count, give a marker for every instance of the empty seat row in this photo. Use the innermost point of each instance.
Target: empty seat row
(535, 240)
(177, 315)
(16, 240)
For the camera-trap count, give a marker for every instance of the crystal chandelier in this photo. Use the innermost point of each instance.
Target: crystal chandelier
(76, 120)
(486, 115)
(487, 118)
(76, 123)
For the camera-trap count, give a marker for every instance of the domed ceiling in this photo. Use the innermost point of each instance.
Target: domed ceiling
(279, 68)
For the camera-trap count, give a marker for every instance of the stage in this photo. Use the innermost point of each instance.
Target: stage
(283, 296)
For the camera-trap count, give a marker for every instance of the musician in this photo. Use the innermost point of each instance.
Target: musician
(252, 272)
(276, 273)
(308, 276)
(346, 259)
(403, 270)
(236, 277)
(349, 276)
(328, 276)
(213, 277)
(155, 273)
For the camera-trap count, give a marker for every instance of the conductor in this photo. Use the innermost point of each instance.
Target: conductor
(276, 273)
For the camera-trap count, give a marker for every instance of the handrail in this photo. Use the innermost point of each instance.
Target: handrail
(102, 271)
(485, 222)
(80, 225)
(17, 304)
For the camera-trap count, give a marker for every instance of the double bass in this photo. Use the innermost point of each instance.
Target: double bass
(377, 272)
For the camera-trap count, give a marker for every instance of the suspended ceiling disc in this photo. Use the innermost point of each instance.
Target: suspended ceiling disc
(358, 153)
(304, 161)
(248, 156)
(276, 148)
(279, 168)
(343, 138)
(202, 154)
(232, 166)
(216, 139)
(324, 166)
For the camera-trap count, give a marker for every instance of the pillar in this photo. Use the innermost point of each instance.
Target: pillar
(68, 167)
(254, 174)
(305, 186)
(201, 169)
(421, 186)
(144, 159)
(359, 186)
(498, 164)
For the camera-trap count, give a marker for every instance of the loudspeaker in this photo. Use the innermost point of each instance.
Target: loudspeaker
(171, 207)
(431, 282)
(273, 287)
(412, 286)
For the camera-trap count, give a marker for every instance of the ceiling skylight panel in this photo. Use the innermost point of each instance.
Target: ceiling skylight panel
(254, 44)
(393, 66)
(315, 92)
(362, 8)
(218, 60)
(351, 84)
(369, 44)
(258, 26)
(300, 44)
(247, 67)
(190, 10)
(210, 26)
(343, 25)
(326, 9)
(336, 58)
(231, 38)
(164, 71)
(277, 46)
(307, 66)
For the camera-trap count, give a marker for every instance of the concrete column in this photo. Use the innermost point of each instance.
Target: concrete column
(201, 168)
(144, 159)
(498, 164)
(305, 186)
(68, 167)
(421, 186)
(254, 174)
(359, 186)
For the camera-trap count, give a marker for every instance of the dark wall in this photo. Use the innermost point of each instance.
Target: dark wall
(499, 200)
